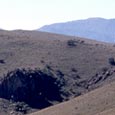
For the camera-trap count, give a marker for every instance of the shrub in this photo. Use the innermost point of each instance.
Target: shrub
(2, 61)
(72, 43)
(112, 61)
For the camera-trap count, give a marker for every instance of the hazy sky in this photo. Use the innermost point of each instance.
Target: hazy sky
(32, 14)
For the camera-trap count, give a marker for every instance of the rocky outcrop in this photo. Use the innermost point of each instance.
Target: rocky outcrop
(35, 87)
(97, 79)
(42, 88)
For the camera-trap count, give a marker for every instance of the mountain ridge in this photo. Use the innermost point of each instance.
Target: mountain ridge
(94, 28)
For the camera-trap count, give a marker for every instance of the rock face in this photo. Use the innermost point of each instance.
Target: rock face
(43, 88)
(98, 78)
(40, 88)
(34, 87)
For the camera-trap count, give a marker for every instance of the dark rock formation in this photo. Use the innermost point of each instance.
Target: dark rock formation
(34, 87)
(43, 88)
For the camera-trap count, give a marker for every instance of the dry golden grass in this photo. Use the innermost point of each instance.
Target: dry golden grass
(108, 112)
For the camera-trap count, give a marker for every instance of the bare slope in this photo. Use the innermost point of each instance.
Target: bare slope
(98, 102)
(108, 112)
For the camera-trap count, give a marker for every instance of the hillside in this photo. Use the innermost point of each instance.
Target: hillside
(94, 28)
(98, 102)
(34, 64)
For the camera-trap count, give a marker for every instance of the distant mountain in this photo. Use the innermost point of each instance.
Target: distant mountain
(95, 28)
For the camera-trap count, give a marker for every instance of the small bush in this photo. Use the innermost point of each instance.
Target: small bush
(72, 43)
(73, 70)
(2, 61)
(112, 61)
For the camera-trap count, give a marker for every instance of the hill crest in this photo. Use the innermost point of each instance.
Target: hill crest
(94, 28)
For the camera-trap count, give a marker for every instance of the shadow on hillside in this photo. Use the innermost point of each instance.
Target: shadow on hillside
(35, 87)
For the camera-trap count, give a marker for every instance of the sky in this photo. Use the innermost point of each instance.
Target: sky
(33, 14)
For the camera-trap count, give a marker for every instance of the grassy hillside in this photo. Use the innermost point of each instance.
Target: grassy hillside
(81, 65)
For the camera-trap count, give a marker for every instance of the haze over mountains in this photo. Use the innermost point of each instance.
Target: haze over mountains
(94, 28)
